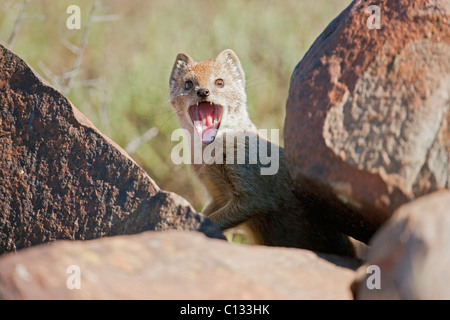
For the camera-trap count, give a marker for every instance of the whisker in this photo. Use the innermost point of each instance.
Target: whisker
(159, 114)
(165, 122)
(256, 82)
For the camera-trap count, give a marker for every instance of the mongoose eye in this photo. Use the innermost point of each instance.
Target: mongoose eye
(219, 83)
(188, 85)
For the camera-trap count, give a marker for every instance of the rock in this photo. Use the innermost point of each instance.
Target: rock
(367, 124)
(172, 265)
(60, 178)
(412, 251)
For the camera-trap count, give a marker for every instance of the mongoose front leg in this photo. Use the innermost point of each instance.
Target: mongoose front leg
(225, 217)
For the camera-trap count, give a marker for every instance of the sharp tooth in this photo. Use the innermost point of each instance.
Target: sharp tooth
(210, 103)
(197, 104)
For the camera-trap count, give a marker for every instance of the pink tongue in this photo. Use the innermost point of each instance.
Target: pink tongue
(209, 135)
(206, 112)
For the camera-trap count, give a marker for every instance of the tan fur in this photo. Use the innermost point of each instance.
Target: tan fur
(239, 193)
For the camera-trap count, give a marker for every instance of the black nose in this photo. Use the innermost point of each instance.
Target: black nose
(203, 92)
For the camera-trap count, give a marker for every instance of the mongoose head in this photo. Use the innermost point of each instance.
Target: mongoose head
(209, 96)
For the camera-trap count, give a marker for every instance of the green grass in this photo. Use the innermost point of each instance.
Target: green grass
(130, 59)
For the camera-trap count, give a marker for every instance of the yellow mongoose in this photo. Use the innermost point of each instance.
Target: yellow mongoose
(210, 101)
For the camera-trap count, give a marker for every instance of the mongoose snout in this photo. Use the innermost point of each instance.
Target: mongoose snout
(203, 92)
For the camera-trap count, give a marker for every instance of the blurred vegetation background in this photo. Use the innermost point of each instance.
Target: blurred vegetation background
(116, 68)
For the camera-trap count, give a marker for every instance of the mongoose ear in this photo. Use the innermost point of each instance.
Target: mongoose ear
(181, 62)
(231, 60)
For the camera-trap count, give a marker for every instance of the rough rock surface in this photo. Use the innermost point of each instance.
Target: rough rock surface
(368, 120)
(172, 265)
(412, 251)
(60, 178)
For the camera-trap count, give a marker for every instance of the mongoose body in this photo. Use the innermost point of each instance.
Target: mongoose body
(210, 101)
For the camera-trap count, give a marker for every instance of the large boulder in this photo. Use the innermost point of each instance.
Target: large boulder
(60, 178)
(368, 122)
(172, 265)
(411, 252)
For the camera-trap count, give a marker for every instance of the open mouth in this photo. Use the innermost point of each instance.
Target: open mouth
(206, 118)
